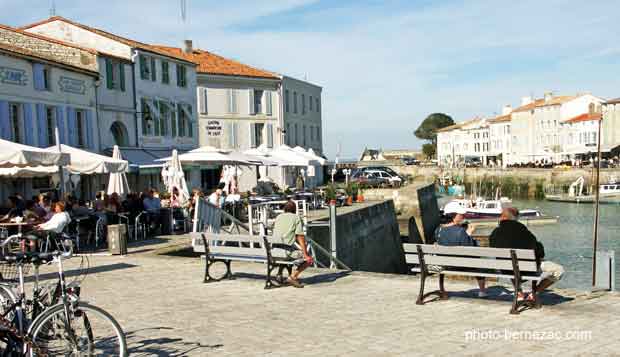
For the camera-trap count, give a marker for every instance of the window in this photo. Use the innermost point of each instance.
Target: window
(304, 132)
(232, 101)
(303, 104)
(287, 104)
(318, 108)
(184, 114)
(147, 119)
(115, 75)
(295, 102)
(165, 72)
(181, 75)
(153, 71)
(164, 118)
(41, 77)
(256, 134)
(288, 134)
(296, 135)
(145, 69)
(79, 121)
(310, 102)
(51, 125)
(46, 78)
(258, 101)
(15, 122)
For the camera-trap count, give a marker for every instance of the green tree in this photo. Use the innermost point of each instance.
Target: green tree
(428, 129)
(428, 150)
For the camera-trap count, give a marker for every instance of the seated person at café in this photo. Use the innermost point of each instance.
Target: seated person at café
(79, 209)
(53, 227)
(43, 205)
(217, 197)
(30, 214)
(288, 234)
(15, 209)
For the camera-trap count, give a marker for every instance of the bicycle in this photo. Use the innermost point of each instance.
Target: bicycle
(65, 326)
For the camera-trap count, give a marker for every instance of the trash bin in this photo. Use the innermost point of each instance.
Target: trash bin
(117, 239)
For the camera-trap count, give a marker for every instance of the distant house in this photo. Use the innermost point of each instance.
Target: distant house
(383, 155)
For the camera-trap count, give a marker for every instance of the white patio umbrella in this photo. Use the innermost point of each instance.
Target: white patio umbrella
(19, 155)
(174, 177)
(211, 155)
(118, 180)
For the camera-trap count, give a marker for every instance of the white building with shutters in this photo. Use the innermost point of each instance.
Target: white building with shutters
(148, 99)
(45, 84)
(302, 117)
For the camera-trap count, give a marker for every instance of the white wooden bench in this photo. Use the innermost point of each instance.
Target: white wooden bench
(249, 248)
(517, 264)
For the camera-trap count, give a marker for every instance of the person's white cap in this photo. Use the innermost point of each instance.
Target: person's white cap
(461, 210)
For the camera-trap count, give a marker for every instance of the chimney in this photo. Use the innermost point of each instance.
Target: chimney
(526, 100)
(507, 109)
(548, 96)
(189, 46)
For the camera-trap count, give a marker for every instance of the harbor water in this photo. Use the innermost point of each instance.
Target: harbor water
(569, 242)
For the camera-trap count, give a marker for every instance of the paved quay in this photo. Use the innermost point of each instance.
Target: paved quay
(166, 310)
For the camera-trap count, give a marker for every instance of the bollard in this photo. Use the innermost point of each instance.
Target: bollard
(332, 233)
(605, 278)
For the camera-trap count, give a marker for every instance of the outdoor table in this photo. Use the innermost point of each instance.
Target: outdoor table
(18, 225)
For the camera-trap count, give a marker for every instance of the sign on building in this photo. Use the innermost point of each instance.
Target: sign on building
(71, 85)
(13, 76)
(214, 128)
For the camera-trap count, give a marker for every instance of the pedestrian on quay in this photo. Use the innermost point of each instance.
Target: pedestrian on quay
(513, 234)
(458, 233)
(288, 232)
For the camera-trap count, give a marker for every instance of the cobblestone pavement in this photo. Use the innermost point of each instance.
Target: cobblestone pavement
(166, 310)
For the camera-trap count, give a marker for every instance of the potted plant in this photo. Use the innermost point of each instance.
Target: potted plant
(330, 194)
(351, 191)
(360, 194)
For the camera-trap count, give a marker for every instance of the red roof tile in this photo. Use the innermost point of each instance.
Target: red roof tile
(584, 117)
(211, 63)
(539, 103)
(501, 119)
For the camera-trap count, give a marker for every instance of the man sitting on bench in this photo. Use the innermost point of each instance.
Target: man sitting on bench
(513, 234)
(287, 231)
(457, 233)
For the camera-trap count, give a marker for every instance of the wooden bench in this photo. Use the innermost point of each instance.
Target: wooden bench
(520, 265)
(249, 248)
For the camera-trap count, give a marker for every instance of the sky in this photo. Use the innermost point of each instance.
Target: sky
(383, 65)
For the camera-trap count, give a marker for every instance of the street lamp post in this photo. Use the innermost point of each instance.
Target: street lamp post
(597, 205)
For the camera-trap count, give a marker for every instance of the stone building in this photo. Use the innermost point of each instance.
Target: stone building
(46, 84)
(611, 126)
(148, 100)
(302, 114)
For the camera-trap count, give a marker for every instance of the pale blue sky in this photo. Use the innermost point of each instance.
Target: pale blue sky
(384, 65)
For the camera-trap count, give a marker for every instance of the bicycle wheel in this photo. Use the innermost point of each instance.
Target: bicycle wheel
(89, 331)
(7, 299)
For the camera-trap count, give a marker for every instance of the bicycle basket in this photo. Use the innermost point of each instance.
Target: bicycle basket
(10, 273)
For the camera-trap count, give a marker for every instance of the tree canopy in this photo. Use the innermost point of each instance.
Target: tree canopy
(428, 129)
(428, 150)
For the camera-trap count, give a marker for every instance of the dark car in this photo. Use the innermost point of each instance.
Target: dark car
(411, 161)
(367, 179)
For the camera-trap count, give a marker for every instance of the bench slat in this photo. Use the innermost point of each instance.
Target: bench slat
(218, 249)
(469, 251)
(247, 258)
(486, 275)
(481, 263)
(233, 238)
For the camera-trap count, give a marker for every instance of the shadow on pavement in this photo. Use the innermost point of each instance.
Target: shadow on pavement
(311, 280)
(86, 269)
(503, 294)
(164, 346)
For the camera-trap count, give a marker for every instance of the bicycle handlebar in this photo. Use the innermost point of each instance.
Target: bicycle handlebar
(10, 239)
(35, 257)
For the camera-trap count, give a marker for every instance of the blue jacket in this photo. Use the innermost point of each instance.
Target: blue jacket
(454, 236)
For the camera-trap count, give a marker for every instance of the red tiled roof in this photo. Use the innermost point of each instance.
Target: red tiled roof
(458, 125)
(109, 35)
(501, 119)
(211, 63)
(584, 117)
(539, 103)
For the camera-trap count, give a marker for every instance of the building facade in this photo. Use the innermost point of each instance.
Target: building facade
(148, 104)
(611, 125)
(44, 85)
(302, 114)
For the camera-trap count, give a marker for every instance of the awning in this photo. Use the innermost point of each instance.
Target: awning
(144, 159)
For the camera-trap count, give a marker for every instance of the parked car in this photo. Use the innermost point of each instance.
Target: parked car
(411, 161)
(472, 162)
(383, 168)
(394, 180)
(369, 179)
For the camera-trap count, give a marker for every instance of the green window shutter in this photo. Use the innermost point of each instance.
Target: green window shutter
(178, 70)
(143, 70)
(145, 110)
(165, 75)
(121, 72)
(190, 123)
(183, 76)
(108, 74)
(153, 71)
(173, 122)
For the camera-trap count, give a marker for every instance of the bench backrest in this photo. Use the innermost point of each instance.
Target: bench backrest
(471, 257)
(238, 244)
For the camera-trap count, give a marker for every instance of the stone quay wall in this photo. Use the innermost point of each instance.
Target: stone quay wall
(367, 239)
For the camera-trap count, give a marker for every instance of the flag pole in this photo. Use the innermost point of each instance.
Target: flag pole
(597, 205)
